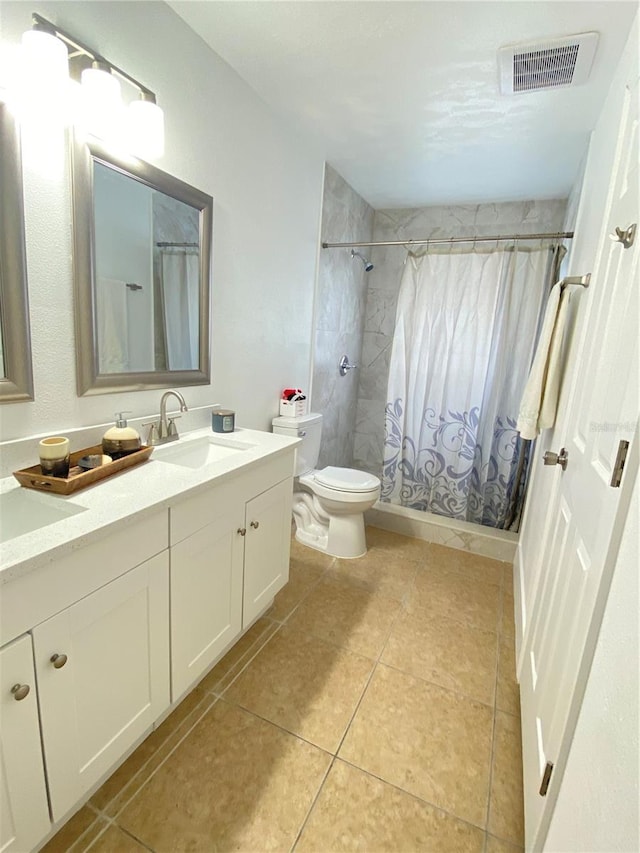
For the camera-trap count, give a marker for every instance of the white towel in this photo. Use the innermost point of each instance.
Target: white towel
(540, 398)
(113, 326)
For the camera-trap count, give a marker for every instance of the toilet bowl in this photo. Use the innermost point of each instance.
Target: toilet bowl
(328, 504)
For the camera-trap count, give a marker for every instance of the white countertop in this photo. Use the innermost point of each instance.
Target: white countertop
(127, 496)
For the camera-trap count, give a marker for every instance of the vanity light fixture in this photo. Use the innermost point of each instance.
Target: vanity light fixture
(49, 54)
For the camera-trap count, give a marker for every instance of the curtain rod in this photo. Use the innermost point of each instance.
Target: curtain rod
(557, 235)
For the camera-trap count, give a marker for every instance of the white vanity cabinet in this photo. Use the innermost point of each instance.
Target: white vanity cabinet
(24, 812)
(103, 680)
(229, 557)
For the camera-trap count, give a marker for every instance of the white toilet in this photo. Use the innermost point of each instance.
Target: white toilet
(328, 505)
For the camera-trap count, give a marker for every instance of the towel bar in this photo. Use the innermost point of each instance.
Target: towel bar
(582, 280)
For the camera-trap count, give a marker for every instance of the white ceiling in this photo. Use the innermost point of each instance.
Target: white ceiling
(404, 98)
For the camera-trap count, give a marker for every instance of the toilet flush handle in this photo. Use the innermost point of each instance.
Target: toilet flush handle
(302, 433)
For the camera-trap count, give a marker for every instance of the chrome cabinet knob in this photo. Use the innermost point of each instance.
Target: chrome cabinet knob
(560, 459)
(58, 660)
(242, 531)
(20, 691)
(255, 524)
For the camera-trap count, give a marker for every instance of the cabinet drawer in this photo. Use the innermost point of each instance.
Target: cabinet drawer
(31, 599)
(194, 513)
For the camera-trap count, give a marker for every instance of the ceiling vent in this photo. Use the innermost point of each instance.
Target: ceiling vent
(548, 64)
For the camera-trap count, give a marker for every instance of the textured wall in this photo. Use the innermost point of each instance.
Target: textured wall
(341, 294)
(442, 221)
(266, 183)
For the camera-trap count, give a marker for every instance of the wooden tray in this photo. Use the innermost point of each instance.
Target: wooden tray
(33, 478)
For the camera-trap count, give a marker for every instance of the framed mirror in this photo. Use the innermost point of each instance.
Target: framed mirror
(16, 375)
(142, 253)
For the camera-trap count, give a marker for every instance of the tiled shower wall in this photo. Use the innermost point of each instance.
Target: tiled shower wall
(529, 217)
(341, 295)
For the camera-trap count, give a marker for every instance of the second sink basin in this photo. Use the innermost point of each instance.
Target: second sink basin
(23, 511)
(197, 452)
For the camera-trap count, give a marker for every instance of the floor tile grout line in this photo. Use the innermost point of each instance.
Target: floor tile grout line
(207, 693)
(213, 691)
(495, 714)
(115, 818)
(371, 674)
(417, 797)
(312, 806)
(143, 767)
(459, 693)
(282, 728)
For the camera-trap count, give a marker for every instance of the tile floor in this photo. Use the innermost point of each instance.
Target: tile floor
(374, 707)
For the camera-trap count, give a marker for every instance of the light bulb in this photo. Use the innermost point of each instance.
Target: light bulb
(101, 103)
(146, 128)
(42, 78)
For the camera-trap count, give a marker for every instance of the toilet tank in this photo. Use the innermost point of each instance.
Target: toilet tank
(309, 429)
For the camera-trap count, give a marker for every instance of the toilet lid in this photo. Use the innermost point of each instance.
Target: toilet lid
(346, 479)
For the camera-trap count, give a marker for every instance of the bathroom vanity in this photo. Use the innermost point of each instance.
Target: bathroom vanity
(112, 613)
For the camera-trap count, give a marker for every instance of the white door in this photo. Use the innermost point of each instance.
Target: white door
(24, 811)
(575, 573)
(206, 597)
(267, 544)
(103, 678)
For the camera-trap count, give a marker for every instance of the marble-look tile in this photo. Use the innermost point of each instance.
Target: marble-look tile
(114, 840)
(302, 579)
(370, 419)
(374, 371)
(508, 625)
(239, 655)
(380, 314)
(470, 565)
(305, 685)
(447, 653)
(457, 597)
(237, 780)
(430, 742)
(506, 807)
(77, 833)
(133, 773)
(356, 811)
(386, 573)
(507, 691)
(347, 616)
(366, 454)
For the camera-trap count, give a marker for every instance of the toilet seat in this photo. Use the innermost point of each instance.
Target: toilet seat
(346, 479)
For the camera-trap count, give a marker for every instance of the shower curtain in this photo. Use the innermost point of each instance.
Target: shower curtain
(180, 272)
(466, 326)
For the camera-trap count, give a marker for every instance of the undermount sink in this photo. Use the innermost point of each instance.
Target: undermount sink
(201, 451)
(23, 512)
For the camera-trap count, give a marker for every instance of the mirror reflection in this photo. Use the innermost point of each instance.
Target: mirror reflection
(143, 242)
(147, 309)
(16, 377)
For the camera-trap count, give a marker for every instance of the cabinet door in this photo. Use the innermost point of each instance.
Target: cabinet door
(268, 540)
(24, 813)
(113, 684)
(206, 597)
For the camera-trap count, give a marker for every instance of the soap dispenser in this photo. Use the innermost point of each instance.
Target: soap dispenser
(120, 440)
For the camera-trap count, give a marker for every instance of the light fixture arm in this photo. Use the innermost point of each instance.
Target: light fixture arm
(77, 48)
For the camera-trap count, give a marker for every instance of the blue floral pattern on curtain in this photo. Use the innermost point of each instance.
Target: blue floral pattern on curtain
(464, 337)
(478, 491)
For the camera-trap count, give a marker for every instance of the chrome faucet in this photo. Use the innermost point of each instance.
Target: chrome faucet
(165, 429)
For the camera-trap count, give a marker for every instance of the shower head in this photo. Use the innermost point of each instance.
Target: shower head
(368, 266)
